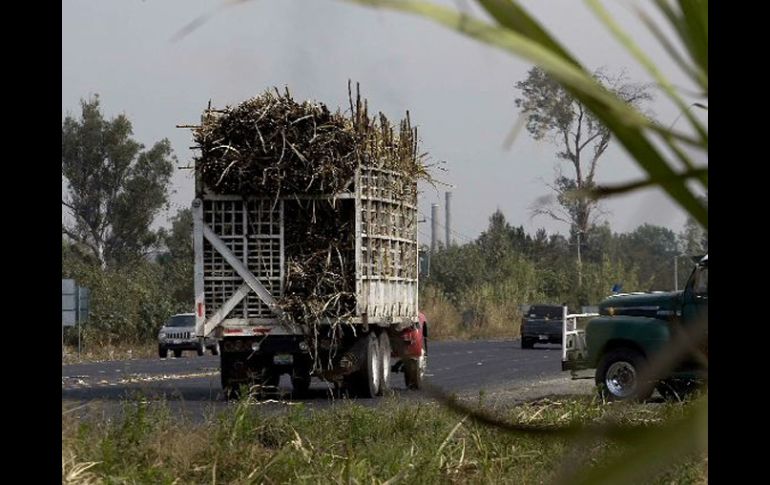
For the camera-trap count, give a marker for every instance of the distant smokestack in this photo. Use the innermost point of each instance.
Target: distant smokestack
(433, 227)
(448, 214)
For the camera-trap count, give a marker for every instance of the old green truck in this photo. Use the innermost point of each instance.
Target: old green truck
(634, 336)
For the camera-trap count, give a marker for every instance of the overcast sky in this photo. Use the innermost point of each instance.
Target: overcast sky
(459, 92)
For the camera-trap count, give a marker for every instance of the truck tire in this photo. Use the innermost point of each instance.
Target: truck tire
(177, 353)
(162, 352)
(231, 379)
(676, 389)
(268, 377)
(225, 374)
(413, 373)
(384, 349)
(527, 343)
(200, 350)
(617, 376)
(414, 370)
(215, 349)
(300, 385)
(367, 378)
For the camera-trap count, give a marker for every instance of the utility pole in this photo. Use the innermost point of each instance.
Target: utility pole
(676, 273)
(433, 227)
(448, 215)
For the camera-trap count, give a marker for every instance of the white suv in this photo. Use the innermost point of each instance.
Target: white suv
(178, 334)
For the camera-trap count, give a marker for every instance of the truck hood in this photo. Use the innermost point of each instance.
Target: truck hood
(657, 304)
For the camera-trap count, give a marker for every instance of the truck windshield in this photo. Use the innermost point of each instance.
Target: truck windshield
(701, 285)
(181, 321)
(543, 311)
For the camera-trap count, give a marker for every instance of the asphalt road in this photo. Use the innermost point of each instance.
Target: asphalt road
(192, 382)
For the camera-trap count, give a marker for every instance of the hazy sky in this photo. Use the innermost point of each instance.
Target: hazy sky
(459, 92)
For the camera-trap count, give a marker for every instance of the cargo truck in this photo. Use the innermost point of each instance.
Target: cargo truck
(241, 247)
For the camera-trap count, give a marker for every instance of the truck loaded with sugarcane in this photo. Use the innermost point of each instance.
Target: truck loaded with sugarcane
(305, 244)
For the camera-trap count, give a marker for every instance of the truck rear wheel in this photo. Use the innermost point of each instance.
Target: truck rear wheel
(231, 377)
(269, 377)
(300, 385)
(162, 352)
(384, 349)
(177, 353)
(527, 343)
(617, 376)
(229, 386)
(367, 378)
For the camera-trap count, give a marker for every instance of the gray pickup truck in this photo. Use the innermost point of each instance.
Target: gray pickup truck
(178, 335)
(541, 324)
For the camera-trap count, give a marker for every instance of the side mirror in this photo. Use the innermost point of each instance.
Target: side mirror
(424, 263)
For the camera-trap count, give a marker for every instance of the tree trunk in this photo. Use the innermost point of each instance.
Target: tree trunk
(579, 262)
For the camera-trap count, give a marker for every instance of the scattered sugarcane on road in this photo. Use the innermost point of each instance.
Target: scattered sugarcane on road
(192, 383)
(306, 272)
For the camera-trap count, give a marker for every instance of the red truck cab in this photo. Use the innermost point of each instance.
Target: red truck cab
(414, 354)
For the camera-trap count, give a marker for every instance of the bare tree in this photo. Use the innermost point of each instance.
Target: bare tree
(581, 139)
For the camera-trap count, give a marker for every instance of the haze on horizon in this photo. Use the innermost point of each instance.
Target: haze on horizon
(460, 93)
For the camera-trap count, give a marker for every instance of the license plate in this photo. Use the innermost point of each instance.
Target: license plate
(544, 337)
(176, 341)
(282, 359)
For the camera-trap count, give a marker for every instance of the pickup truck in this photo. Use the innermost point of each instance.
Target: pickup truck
(541, 324)
(633, 330)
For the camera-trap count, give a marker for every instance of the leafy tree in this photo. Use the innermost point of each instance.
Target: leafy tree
(652, 248)
(115, 186)
(496, 240)
(693, 240)
(178, 261)
(598, 243)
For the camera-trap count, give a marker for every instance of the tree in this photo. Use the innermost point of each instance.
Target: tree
(693, 240)
(652, 248)
(598, 242)
(496, 241)
(115, 187)
(178, 261)
(552, 113)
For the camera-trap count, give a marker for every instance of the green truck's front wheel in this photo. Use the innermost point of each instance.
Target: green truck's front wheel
(617, 376)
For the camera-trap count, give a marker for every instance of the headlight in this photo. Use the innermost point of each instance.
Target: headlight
(162, 335)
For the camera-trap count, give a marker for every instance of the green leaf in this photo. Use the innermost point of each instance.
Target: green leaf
(647, 63)
(625, 122)
(653, 451)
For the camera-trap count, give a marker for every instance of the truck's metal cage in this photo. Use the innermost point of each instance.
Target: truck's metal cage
(253, 230)
(240, 254)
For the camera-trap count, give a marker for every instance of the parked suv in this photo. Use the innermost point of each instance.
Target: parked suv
(541, 324)
(178, 334)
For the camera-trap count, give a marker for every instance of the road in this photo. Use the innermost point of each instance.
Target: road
(192, 382)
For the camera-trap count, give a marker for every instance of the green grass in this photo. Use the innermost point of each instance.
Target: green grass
(398, 442)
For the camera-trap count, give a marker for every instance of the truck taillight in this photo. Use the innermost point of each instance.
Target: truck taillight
(200, 310)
